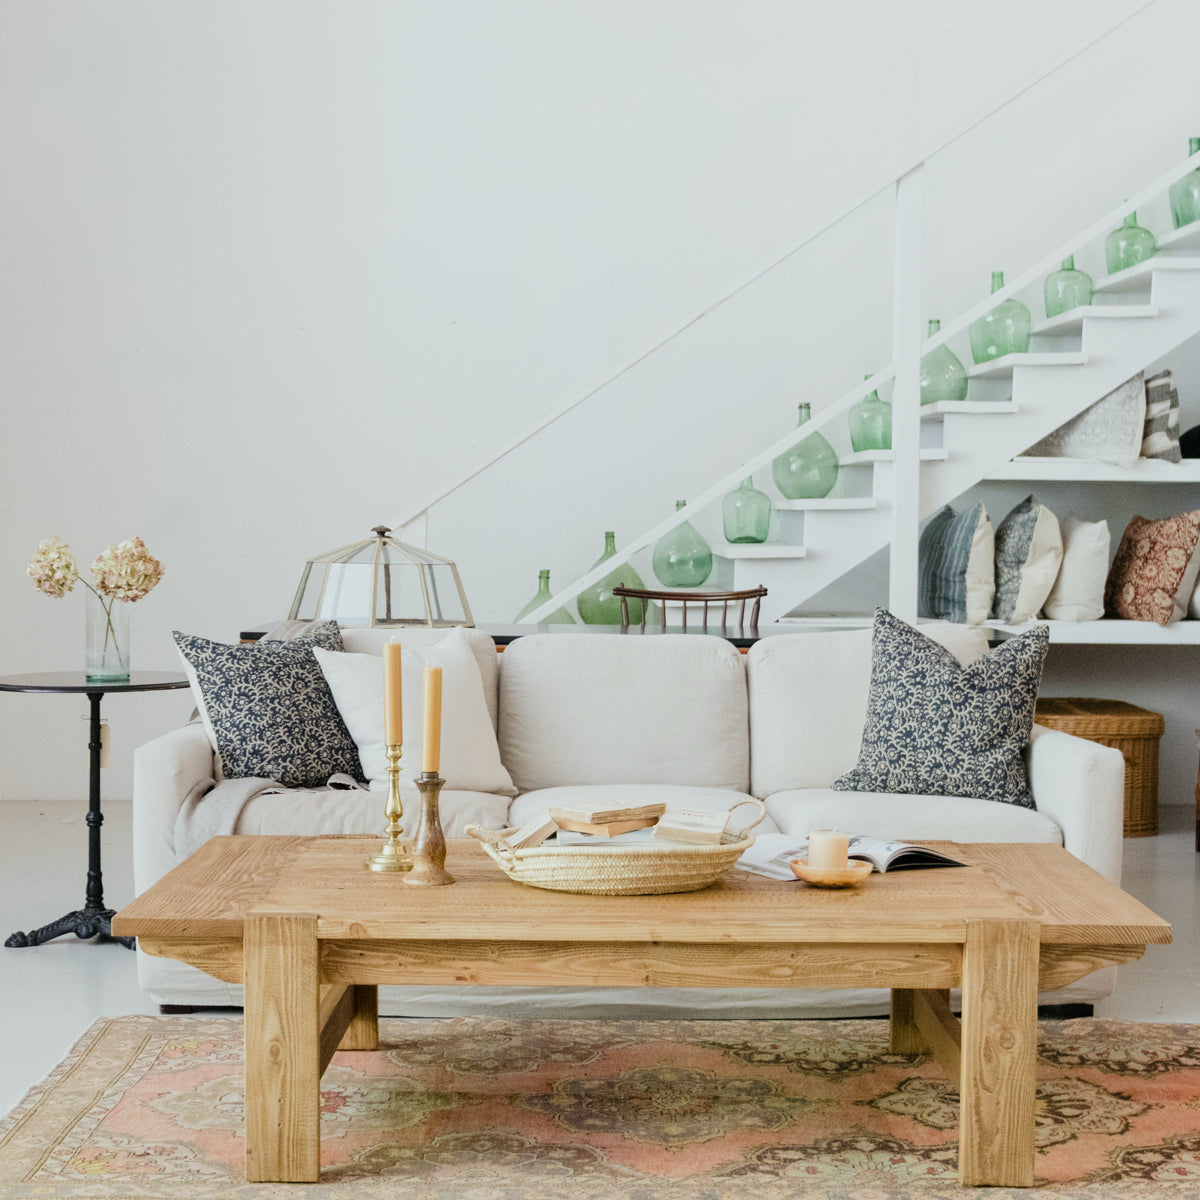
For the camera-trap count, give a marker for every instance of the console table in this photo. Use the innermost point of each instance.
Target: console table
(93, 918)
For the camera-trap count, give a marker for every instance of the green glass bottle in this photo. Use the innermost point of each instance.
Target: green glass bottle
(1129, 245)
(597, 605)
(870, 422)
(1185, 193)
(681, 558)
(1004, 330)
(559, 616)
(1067, 288)
(809, 469)
(943, 377)
(746, 513)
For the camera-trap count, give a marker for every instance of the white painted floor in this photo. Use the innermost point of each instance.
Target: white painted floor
(50, 994)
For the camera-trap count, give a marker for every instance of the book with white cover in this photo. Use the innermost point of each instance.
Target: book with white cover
(772, 852)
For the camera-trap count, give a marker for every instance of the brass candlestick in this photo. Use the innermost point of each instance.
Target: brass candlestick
(429, 848)
(393, 854)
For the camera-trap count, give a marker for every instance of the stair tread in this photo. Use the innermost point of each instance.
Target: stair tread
(1137, 279)
(1187, 238)
(1071, 322)
(977, 408)
(758, 550)
(859, 457)
(837, 504)
(1145, 470)
(1000, 368)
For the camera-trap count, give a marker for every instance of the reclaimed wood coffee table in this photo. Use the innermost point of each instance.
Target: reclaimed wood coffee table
(312, 934)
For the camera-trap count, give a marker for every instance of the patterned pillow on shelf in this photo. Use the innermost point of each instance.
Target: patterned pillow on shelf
(267, 709)
(935, 727)
(1155, 570)
(1160, 437)
(956, 567)
(1029, 551)
(1111, 430)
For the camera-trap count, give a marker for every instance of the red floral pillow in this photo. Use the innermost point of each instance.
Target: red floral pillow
(1154, 573)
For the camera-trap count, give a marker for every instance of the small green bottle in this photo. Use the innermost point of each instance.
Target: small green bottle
(597, 605)
(1067, 288)
(1185, 193)
(682, 558)
(746, 514)
(870, 422)
(1128, 246)
(943, 377)
(1004, 330)
(559, 616)
(809, 469)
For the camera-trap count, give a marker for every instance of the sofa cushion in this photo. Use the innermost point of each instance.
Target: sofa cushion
(808, 702)
(320, 812)
(267, 708)
(582, 708)
(910, 818)
(936, 727)
(531, 804)
(370, 641)
(470, 758)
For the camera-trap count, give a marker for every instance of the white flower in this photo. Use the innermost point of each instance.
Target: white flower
(127, 571)
(52, 568)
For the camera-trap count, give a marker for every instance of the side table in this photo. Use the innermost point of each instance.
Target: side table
(93, 918)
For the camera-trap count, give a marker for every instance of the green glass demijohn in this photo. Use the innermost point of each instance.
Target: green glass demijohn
(1067, 288)
(559, 616)
(1185, 193)
(809, 469)
(943, 377)
(1004, 330)
(1128, 246)
(597, 605)
(870, 422)
(681, 558)
(746, 513)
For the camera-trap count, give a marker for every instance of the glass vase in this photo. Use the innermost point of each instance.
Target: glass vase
(1128, 246)
(809, 469)
(1185, 193)
(681, 558)
(106, 638)
(943, 377)
(597, 605)
(1067, 288)
(746, 513)
(559, 616)
(870, 422)
(1004, 330)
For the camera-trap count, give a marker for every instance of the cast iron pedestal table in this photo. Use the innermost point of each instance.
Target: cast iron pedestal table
(93, 918)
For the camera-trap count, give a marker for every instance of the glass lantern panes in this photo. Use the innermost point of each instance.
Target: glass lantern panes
(381, 582)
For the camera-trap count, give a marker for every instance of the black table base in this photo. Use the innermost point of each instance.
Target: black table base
(83, 923)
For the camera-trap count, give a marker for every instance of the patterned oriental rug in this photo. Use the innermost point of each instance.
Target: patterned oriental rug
(491, 1109)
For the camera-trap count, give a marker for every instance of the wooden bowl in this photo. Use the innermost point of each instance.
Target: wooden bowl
(831, 877)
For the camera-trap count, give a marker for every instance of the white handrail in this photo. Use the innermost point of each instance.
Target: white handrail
(889, 180)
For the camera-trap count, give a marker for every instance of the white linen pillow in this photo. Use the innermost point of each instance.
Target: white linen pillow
(470, 759)
(1078, 592)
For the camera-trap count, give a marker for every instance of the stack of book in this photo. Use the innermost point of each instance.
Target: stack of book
(597, 820)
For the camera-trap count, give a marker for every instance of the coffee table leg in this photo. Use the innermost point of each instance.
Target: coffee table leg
(363, 1031)
(283, 1068)
(999, 1053)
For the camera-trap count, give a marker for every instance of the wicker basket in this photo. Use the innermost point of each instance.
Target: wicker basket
(1132, 730)
(637, 869)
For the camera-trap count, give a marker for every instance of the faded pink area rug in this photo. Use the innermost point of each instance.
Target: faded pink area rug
(491, 1109)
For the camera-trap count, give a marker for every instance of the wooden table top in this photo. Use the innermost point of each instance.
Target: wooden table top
(209, 895)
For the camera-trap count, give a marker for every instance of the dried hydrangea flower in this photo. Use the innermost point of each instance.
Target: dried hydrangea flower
(127, 571)
(52, 568)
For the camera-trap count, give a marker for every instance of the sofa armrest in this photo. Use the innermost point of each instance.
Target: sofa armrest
(1080, 786)
(165, 772)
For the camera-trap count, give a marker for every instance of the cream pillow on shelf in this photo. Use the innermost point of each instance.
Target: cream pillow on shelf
(1078, 592)
(470, 758)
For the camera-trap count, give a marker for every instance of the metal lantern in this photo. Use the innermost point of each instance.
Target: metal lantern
(381, 582)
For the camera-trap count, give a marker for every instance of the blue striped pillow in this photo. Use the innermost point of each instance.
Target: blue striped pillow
(956, 569)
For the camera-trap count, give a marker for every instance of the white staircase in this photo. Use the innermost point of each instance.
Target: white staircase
(1137, 317)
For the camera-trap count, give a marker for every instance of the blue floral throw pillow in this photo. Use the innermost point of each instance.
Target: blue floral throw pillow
(937, 728)
(268, 709)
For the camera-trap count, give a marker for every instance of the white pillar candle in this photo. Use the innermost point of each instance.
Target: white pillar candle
(828, 848)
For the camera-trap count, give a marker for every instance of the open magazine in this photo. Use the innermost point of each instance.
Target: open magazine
(772, 852)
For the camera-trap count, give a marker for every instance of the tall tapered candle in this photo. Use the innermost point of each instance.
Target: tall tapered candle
(393, 713)
(431, 721)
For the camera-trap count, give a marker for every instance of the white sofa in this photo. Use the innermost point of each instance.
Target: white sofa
(647, 716)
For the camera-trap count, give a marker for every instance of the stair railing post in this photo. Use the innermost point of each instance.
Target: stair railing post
(906, 393)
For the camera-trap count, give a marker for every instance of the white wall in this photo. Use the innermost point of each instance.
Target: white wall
(274, 271)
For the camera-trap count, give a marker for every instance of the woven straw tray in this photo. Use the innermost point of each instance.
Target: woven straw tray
(640, 869)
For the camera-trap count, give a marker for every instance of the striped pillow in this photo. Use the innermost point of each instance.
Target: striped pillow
(956, 567)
